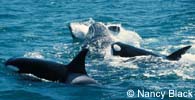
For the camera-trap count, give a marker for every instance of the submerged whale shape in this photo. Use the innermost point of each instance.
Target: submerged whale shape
(124, 50)
(73, 73)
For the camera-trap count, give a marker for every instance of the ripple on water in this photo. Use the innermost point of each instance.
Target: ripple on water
(38, 28)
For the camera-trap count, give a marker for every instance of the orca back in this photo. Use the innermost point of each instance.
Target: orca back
(50, 70)
(128, 50)
(177, 54)
(40, 68)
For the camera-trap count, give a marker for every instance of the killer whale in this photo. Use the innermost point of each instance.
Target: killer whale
(124, 50)
(72, 73)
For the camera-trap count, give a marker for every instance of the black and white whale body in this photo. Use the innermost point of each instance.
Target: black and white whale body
(124, 50)
(73, 73)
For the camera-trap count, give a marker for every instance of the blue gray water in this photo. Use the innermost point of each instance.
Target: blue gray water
(39, 28)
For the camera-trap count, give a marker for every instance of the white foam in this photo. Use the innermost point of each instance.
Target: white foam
(126, 36)
(148, 75)
(117, 61)
(181, 73)
(129, 37)
(188, 58)
(80, 29)
(34, 55)
(151, 40)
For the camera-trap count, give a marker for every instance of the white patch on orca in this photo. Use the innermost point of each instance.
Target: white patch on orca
(116, 47)
(13, 68)
(83, 79)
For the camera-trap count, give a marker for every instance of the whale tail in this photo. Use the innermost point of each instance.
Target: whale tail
(77, 65)
(177, 54)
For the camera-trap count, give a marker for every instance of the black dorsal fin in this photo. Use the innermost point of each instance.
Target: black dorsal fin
(77, 65)
(177, 54)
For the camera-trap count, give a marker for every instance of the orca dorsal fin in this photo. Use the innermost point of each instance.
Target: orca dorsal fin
(177, 54)
(77, 65)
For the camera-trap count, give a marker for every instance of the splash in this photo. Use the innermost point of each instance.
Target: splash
(80, 29)
(34, 55)
(188, 58)
(157, 67)
(127, 36)
(120, 34)
(147, 66)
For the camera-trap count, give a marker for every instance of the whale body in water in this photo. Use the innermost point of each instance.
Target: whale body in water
(124, 50)
(81, 30)
(73, 73)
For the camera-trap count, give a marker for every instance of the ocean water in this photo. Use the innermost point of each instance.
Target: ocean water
(39, 28)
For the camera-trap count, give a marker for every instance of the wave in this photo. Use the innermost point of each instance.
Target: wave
(81, 28)
(34, 55)
(147, 66)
